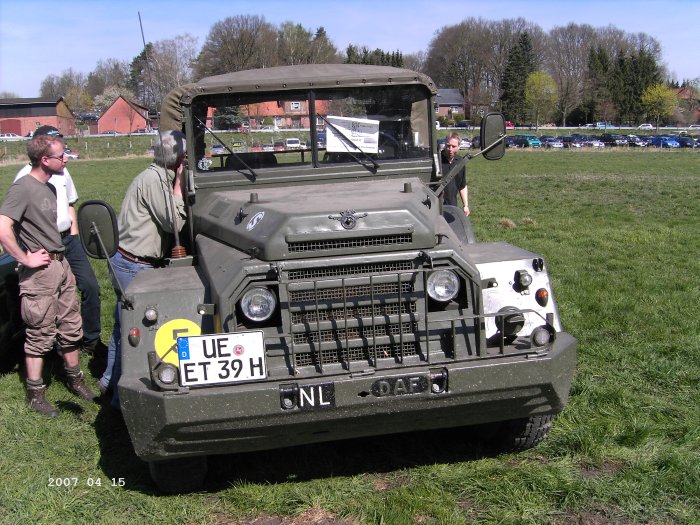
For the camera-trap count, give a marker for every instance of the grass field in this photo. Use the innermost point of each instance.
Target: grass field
(620, 232)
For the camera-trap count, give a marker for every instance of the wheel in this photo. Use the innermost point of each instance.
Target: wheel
(521, 434)
(459, 223)
(179, 475)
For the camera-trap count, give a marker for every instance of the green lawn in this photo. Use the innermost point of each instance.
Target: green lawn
(621, 235)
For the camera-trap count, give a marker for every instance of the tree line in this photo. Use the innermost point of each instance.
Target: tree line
(572, 74)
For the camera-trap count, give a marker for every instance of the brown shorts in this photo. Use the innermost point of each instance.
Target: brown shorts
(50, 308)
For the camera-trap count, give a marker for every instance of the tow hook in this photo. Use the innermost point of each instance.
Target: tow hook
(438, 380)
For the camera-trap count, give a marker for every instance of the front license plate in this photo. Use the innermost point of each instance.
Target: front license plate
(221, 358)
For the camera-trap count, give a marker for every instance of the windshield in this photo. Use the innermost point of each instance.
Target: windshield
(368, 126)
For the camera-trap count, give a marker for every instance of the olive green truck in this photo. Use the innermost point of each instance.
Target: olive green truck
(327, 293)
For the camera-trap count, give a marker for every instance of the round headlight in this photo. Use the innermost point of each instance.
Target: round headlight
(258, 304)
(443, 285)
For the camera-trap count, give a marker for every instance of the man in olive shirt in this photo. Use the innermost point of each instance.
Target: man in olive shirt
(146, 225)
(29, 233)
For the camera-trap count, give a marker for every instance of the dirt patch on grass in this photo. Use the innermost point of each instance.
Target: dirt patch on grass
(308, 517)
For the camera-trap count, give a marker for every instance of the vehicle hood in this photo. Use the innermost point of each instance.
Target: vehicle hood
(329, 219)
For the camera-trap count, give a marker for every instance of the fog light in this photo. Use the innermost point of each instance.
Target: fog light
(541, 336)
(443, 285)
(167, 374)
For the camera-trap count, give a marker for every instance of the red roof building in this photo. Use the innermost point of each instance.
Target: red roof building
(124, 116)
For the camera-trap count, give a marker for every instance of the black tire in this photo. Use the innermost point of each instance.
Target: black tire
(459, 223)
(522, 434)
(180, 475)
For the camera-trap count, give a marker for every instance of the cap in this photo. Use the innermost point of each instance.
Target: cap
(47, 130)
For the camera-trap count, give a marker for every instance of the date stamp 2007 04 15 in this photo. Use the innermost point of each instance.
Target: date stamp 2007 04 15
(74, 481)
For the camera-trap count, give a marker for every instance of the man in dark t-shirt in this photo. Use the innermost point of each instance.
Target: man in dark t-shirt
(50, 310)
(458, 185)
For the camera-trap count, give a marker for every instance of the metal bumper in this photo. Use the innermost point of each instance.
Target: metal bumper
(248, 417)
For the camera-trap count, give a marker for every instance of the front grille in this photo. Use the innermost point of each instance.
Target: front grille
(348, 292)
(356, 332)
(363, 353)
(352, 312)
(358, 242)
(351, 269)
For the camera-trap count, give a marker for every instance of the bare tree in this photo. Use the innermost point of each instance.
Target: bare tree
(55, 86)
(293, 44)
(415, 61)
(109, 72)
(172, 62)
(567, 62)
(237, 43)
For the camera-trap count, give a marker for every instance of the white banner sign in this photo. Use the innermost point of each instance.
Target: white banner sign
(362, 133)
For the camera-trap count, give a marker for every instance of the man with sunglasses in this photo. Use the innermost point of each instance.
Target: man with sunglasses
(28, 232)
(66, 197)
(459, 183)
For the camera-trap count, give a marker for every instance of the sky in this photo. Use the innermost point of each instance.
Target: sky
(39, 38)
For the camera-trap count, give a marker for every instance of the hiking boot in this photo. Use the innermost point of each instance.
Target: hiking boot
(75, 381)
(36, 399)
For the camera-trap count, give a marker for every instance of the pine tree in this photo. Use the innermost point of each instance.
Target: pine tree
(519, 65)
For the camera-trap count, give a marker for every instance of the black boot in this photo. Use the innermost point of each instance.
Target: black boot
(36, 399)
(75, 381)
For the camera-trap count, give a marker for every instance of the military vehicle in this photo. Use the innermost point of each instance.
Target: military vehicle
(328, 293)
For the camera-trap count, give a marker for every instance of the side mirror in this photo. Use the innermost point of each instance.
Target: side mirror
(493, 134)
(97, 224)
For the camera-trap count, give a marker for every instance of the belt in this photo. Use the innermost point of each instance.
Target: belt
(65, 233)
(152, 261)
(56, 256)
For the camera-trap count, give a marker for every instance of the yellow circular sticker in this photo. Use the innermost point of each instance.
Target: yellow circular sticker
(166, 338)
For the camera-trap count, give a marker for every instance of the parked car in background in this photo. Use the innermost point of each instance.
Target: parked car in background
(218, 149)
(694, 126)
(109, 132)
(462, 124)
(551, 142)
(509, 125)
(664, 141)
(645, 126)
(4, 137)
(528, 141)
(636, 141)
(465, 143)
(592, 141)
(613, 139)
(571, 141)
(278, 145)
(511, 142)
(70, 154)
(293, 143)
(684, 141)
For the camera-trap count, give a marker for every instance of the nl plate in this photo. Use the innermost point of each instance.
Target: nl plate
(221, 358)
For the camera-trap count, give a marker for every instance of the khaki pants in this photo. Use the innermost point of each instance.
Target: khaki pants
(50, 308)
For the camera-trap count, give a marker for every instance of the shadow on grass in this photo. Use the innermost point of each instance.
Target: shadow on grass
(371, 455)
(378, 454)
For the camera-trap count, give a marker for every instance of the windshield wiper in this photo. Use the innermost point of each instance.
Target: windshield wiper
(372, 169)
(236, 155)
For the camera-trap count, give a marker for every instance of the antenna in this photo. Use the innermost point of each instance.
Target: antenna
(178, 250)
